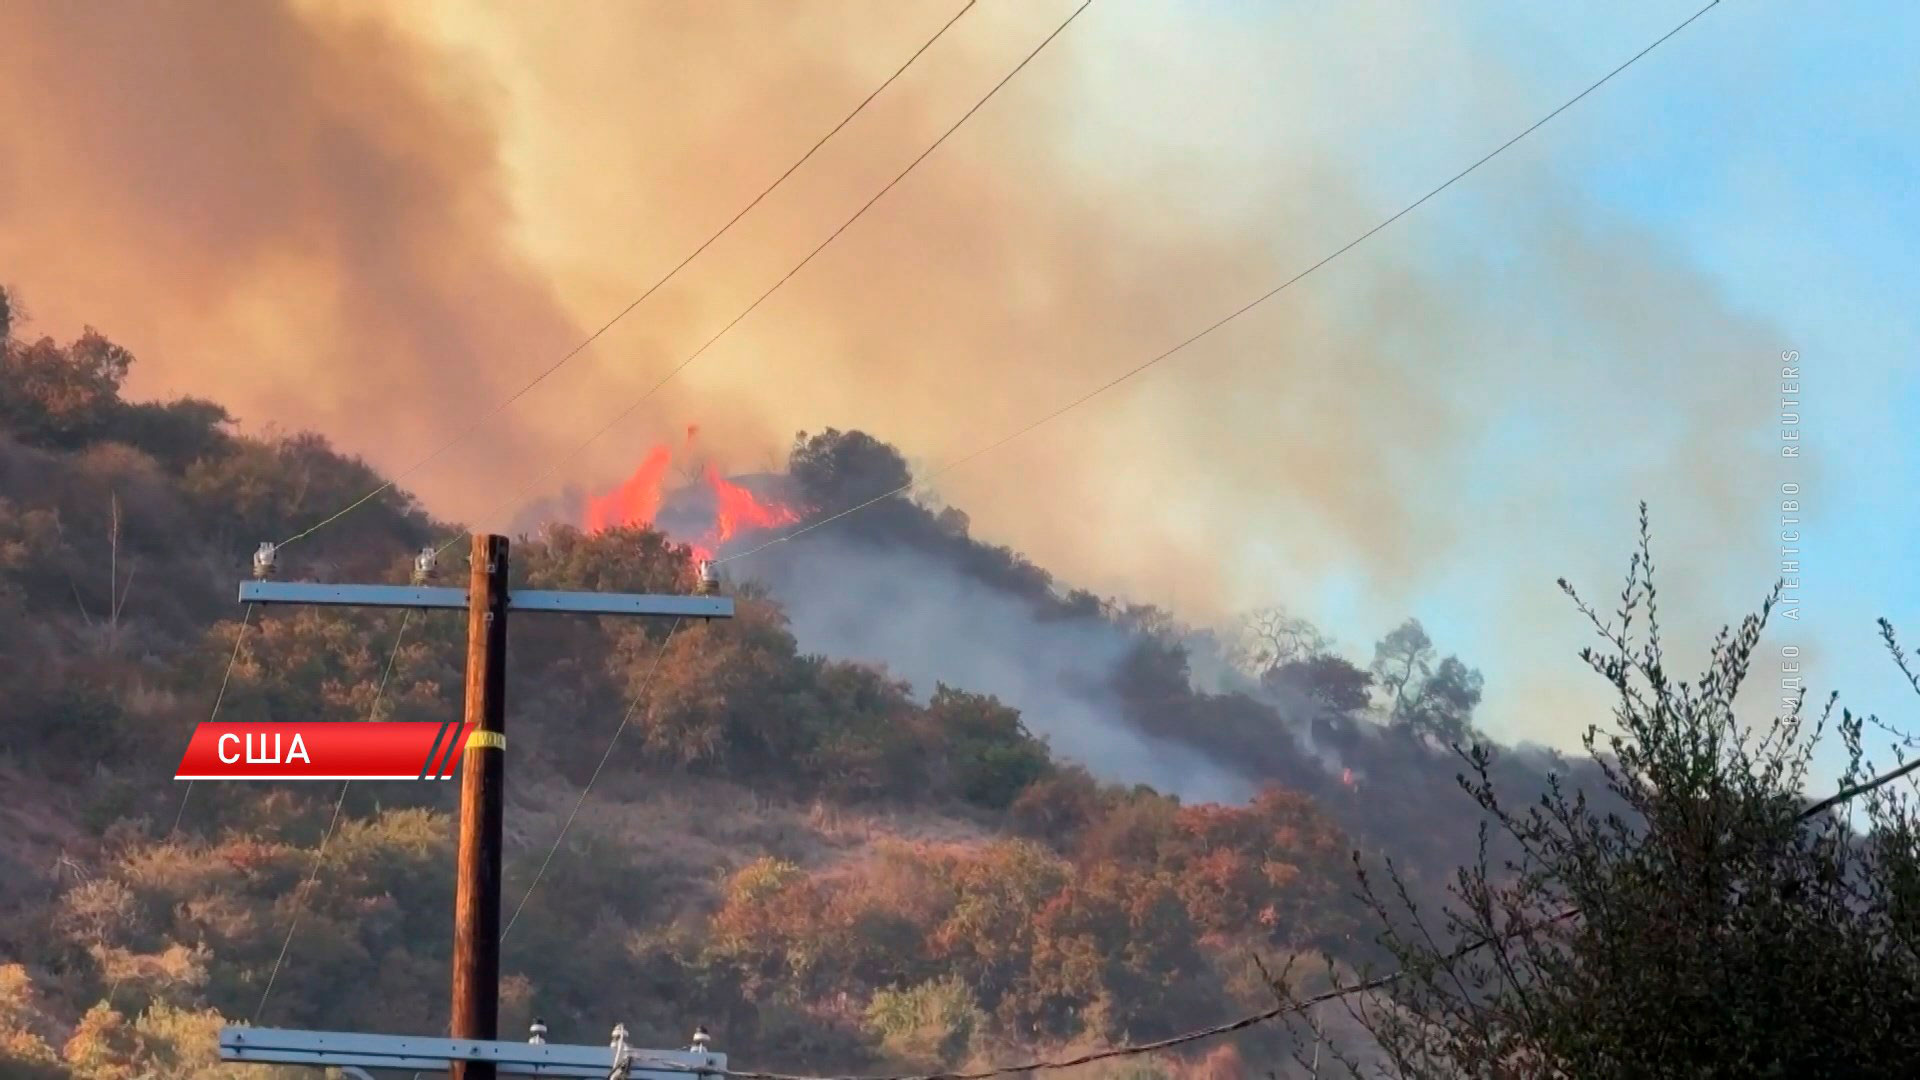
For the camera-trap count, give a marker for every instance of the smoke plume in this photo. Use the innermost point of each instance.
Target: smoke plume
(376, 221)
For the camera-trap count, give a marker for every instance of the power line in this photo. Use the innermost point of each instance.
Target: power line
(1847, 794)
(1237, 312)
(625, 719)
(624, 312)
(238, 636)
(522, 491)
(320, 853)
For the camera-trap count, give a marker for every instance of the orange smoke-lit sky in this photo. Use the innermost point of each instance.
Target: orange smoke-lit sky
(375, 220)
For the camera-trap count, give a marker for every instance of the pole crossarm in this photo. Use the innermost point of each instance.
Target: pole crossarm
(528, 600)
(346, 1049)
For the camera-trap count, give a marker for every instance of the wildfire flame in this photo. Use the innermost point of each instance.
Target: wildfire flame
(635, 502)
(735, 507)
(1346, 777)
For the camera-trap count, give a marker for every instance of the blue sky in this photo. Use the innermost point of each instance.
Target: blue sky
(1777, 147)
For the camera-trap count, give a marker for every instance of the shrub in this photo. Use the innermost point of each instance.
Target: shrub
(1717, 927)
(992, 756)
(930, 1024)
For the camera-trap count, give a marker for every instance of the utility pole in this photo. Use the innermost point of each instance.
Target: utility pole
(476, 900)
(487, 600)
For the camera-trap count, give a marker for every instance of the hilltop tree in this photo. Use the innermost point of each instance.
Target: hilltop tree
(1401, 662)
(1444, 706)
(837, 469)
(1265, 639)
(1424, 697)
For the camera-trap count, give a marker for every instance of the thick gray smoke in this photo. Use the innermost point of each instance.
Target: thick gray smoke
(926, 623)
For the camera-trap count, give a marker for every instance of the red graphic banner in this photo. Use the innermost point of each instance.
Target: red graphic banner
(327, 750)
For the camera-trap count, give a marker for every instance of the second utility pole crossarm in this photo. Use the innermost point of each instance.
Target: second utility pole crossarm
(345, 1050)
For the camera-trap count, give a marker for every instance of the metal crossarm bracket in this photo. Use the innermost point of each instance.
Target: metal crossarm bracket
(346, 1049)
(529, 600)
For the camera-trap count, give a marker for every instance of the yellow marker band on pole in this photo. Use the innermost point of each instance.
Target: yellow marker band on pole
(478, 740)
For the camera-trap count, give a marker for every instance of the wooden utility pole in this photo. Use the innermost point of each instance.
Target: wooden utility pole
(487, 599)
(476, 901)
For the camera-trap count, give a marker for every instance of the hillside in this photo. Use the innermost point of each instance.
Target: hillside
(807, 840)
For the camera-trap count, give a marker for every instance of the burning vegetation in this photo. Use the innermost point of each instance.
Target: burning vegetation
(705, 516)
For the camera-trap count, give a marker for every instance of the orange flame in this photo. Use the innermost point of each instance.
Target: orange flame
(1346, 777)
(634, 503)
(735, 506)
